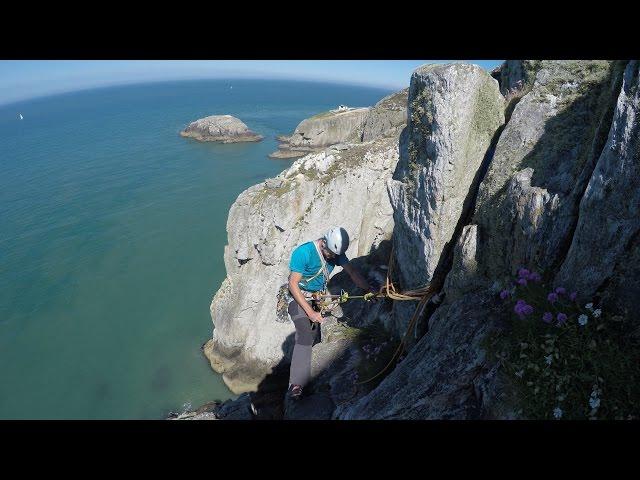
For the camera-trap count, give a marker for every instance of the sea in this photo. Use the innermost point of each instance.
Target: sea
(112, 235)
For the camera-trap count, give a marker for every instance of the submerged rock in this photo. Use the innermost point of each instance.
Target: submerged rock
(220, 128)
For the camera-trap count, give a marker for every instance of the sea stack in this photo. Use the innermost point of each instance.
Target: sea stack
(220, 128)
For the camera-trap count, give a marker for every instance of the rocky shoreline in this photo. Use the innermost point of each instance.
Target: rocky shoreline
(220, 128)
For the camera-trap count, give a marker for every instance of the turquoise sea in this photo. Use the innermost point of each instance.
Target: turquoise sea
(112, 232)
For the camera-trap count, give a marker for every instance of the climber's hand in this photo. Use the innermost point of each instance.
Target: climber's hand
(316, 317)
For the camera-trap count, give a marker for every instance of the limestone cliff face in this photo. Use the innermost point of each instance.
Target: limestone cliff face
(454, 112)
(525, 215)
(477, 188)
(337, 186)
(605, 250)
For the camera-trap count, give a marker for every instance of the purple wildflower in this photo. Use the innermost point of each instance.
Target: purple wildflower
(552, 297)
(522, 308)
(573, 296)
(504, 294)
(522, 281)
(547, 317)
(523, 273)
(534, 277)
(561, 290)
(561, 318)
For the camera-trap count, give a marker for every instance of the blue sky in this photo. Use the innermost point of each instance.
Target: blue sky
(23, 79)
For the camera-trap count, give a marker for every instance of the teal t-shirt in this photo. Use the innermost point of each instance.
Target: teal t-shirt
(305, 260)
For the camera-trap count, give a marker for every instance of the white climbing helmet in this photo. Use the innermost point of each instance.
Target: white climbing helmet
(337, 240)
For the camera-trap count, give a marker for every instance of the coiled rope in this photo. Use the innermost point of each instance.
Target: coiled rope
(422, 295)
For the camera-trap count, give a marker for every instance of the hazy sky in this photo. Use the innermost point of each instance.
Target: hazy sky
(22, 79)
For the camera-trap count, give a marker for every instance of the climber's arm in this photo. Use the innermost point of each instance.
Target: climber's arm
(357, 278)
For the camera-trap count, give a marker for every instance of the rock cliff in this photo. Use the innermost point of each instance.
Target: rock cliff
(476, 186)
(525, 213)
(385, 118)
(322, 130)
(343, 186)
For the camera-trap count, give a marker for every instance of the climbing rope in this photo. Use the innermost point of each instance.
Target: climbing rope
(422, 295)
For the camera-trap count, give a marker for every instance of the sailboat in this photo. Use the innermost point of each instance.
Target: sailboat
(21, 117)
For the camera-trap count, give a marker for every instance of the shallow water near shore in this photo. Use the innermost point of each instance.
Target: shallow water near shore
(112, 238)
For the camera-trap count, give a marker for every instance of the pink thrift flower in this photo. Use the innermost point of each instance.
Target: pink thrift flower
(518, 310)
(523, 273)
(552, 297)
(504, 294)
(573, 296)
(561, 290)
(534, 277)
(522, 281)
(561, 318)
(547, 317)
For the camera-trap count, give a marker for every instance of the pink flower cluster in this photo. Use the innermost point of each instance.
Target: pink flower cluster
(522, 308)
(525, 276)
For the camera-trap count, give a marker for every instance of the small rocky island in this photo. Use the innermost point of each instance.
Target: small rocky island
(220, 128)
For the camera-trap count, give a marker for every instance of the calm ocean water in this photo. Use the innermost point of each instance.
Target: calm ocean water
(112, 232)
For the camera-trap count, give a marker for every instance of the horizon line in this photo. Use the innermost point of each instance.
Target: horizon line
(195, 79)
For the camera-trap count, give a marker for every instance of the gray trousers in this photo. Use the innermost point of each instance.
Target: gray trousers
(300, 372)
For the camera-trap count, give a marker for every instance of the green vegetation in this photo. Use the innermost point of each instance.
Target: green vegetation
(586, 93)
(321, 115)
(260, 196)
(565, 359)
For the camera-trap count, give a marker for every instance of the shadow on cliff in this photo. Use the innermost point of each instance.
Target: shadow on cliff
(268, 399)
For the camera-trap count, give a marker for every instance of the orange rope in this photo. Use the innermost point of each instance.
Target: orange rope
(422, 294)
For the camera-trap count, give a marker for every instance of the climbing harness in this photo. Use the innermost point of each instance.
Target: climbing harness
(284, 296)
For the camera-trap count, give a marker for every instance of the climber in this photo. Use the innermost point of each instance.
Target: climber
(311, 264)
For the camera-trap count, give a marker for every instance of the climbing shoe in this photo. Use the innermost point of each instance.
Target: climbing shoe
(295, 392)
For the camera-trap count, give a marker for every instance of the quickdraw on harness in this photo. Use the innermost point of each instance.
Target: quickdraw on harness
(327, 302)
